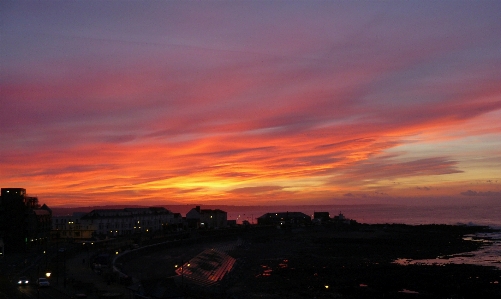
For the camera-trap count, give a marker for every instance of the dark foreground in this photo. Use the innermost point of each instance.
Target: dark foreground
(340, 262)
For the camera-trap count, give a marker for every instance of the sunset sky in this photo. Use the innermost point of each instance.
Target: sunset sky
(251, 102)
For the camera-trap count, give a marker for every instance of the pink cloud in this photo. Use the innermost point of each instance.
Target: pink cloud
(193, 95)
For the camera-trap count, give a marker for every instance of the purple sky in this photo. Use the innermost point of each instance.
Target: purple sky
(251, 102)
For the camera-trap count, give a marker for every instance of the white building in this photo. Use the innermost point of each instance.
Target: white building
(71, 227)
(113, 222)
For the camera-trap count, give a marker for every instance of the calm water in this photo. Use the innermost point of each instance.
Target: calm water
(471, 215)
(488, 255)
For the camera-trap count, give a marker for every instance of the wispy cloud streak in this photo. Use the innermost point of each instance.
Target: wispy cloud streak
(175, 102)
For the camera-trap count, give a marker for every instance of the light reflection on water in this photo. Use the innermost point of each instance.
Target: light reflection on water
(488, 255)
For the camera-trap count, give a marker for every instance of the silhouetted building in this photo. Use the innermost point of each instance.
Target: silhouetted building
(321, 216)
(341, 219)
(23, 222)
(114, 222)
(177, 222)
(206, 218)
(284, 218)
(71, 227)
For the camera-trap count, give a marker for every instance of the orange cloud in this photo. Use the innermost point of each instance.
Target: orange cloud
(244, 106)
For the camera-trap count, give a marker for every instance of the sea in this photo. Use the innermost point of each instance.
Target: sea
(484, 215)
(372, 214)
(489, 254)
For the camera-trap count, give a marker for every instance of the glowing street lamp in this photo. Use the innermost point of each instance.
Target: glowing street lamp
(182, 272)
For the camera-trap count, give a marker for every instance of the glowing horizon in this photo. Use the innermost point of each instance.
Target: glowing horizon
(251, 102)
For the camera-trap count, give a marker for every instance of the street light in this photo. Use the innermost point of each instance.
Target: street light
(182, 272)
(47, 274)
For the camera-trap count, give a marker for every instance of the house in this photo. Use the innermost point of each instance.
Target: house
(322, 217)
(177, 222)
(206, 218)
(284, 218)
(23, 222)
(341, 219)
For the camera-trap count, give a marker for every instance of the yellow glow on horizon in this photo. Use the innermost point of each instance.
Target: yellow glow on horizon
(308, 168)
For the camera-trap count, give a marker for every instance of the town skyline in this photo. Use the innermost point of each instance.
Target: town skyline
(251, 103)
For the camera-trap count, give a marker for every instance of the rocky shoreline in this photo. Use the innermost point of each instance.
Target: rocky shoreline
(345, 262)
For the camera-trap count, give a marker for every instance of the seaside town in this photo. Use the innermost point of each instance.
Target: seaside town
(152, 252)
